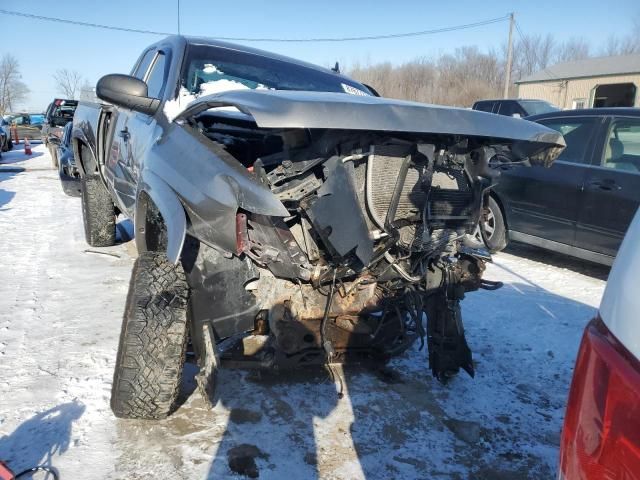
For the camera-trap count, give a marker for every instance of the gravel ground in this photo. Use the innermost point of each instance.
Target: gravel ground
(61, 306)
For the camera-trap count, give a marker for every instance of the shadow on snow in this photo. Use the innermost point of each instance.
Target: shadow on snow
(36, 441)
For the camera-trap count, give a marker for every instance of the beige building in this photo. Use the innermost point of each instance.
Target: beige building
(592, 82)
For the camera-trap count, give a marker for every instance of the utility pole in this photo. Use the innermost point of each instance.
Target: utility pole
(507, 76)
(178, 17)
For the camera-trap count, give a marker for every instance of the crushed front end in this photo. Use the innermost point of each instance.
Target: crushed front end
(372, 249)
(375, 252)
(376, 242)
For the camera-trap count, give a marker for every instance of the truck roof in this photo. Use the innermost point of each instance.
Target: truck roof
(181, 41)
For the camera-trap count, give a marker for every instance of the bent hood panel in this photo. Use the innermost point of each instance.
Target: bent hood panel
(293, 109)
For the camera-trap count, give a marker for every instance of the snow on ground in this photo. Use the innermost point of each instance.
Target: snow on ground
(60, 313)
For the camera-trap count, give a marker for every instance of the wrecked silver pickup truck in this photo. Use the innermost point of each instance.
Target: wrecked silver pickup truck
(284, 215)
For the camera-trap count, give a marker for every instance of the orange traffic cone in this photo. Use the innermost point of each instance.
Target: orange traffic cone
(27, 146)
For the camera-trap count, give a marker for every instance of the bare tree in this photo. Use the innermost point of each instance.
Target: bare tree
(626, 44)
(532, 53)
(87, 92)
(456, 79)
(621, 45)
(12, 89)
(68, 82)
(468, 74)
(571, 50)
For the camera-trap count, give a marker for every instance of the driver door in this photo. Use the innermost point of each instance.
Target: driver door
(119, 167)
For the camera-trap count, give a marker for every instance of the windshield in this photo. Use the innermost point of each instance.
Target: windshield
(210, 70)
(538, 106)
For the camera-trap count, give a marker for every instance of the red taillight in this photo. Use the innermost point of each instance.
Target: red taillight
(601, 433)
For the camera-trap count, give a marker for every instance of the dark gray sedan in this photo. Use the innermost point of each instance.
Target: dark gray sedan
(582, 205)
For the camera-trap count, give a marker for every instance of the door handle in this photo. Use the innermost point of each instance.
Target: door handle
(608, 185)
(124, 134)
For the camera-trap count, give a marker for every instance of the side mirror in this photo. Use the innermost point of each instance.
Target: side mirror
(127, 92)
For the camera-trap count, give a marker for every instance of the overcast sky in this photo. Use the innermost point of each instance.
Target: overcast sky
(42, 47)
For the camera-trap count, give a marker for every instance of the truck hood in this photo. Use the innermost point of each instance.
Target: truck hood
(323, 110)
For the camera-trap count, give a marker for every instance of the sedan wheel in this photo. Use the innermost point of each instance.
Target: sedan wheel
(489, 225)
(492, 230)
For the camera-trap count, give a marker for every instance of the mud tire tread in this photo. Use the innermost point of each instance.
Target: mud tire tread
(98, 213)
(153, 340)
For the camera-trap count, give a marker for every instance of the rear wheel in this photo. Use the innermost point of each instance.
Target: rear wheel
(153, 340)
(54, 156)
(98, 213)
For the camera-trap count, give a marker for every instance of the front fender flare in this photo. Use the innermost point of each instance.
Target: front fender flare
(79, 139)
(172, 211)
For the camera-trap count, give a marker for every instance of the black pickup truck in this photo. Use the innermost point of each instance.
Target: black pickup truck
(58, 114)
(285, 213)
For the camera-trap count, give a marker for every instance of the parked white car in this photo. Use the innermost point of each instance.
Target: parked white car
(601, 433)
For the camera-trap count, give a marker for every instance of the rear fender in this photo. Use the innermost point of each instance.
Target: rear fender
(172, 211)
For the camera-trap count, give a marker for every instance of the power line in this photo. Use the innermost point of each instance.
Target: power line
(249, 39)
(84, 24)
(373, 37)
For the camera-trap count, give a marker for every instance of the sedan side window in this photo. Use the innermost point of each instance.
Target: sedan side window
(622, 149)
(578, 133)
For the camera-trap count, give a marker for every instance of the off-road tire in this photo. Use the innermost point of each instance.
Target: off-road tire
(98, 213)
(498, 240)
(153, 340)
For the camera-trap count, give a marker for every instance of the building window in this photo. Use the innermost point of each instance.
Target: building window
(579, 103)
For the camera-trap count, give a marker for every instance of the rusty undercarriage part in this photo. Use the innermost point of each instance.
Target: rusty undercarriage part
(365, 321)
